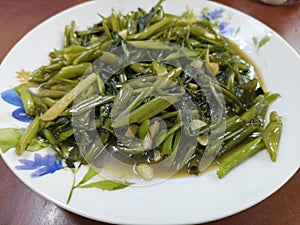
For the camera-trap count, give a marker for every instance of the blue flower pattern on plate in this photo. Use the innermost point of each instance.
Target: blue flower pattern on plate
(225, 29)
(11, 97)
(215, 16)
(42, 165)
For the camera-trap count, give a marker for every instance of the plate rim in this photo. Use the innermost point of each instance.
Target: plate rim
(78, 212)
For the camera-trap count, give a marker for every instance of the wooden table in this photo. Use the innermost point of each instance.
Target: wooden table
(21, 206)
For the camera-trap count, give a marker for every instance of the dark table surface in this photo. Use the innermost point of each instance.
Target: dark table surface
(21, 206)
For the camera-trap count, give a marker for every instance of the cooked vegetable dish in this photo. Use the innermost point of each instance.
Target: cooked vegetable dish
(150, 88)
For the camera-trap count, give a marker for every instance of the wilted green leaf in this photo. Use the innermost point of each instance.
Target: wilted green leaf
(204, 11)
(36, 145)
(9, 138)
(109, 185)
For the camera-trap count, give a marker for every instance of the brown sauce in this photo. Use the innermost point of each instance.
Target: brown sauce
(253, 67)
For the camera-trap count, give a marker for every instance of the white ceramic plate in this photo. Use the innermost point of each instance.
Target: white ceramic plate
(176, 201)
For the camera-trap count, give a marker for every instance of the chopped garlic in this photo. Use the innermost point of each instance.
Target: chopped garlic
(197, 64)
(193, 86)
(147, 142)
(153, 129)
(209, 35)
(94, 39)
(157, 156)
(212, 67)
(196, 124)
(145, 171)
(203, 139)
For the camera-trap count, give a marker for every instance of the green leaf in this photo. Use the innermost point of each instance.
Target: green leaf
(35, 145)
(204, 11)
(263, 41)
(109, 185)
(9, 138)
(89, 175)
